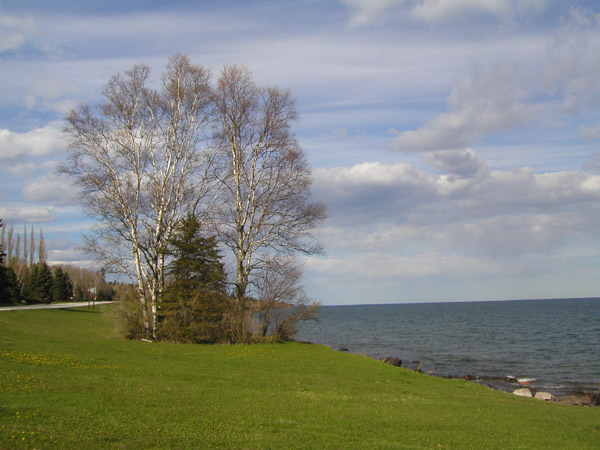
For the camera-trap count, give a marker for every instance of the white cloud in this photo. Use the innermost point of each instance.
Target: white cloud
(14, 31)
(493, 99)
(590, 132)
(398, 227)
(374, 194)
(21, 169)
(518, 93)
(48, 189)
(45, 141)
(435, 11)
(368, 12)
(32, 214)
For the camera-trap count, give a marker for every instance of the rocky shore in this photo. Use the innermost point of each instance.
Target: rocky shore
(519, 387)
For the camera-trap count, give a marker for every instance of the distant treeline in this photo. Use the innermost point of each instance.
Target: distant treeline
(26, 277)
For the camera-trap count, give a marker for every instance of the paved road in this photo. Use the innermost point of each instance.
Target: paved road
(51, 306)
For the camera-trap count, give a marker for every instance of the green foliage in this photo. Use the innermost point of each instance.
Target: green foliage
(196, 260)
(195, 302)
(67, 382)
(62, 287)
(10, 288)
(37, 286)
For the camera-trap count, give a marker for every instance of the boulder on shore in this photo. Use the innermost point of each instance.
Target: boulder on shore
(391, 360)
(524, 392)
(546, 396)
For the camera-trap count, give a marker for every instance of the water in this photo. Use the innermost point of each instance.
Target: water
(555, 343)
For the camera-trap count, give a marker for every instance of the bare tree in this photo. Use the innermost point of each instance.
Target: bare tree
(266, 208)
(140, 160)
(31, 246)
(10, 246)
(26, 247)
(283, 302)
(42, 254)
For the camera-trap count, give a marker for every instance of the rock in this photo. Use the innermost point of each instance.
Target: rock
(524, 392)
(419, 367)
(546, 396)
(343, 349)
(392, 361)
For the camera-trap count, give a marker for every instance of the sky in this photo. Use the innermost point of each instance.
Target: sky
(454, 142)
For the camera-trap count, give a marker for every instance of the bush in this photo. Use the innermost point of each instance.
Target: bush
(130, 316)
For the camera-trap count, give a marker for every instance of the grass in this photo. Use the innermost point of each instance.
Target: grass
(67, 381)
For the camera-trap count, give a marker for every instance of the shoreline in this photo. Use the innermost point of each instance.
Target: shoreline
(511, 385)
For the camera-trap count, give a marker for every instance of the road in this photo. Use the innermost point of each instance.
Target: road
(50, 306)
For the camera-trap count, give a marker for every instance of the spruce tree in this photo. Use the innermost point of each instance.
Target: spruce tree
(194, 302)
(37, 287)
(10, 288)
(62, 287)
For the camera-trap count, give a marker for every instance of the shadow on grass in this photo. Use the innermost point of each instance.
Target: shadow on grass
(80, 310)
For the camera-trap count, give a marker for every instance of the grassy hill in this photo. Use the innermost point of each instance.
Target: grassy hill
(67, 381)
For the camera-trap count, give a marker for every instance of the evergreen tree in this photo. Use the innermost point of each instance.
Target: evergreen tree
(62, 287)
(194, 303)
(37, 287)
(197, 260)
(10, 288)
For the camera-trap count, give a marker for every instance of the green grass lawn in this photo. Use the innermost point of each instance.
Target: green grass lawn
(68, 381)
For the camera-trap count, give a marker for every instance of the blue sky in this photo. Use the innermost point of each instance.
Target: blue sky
(454, 142)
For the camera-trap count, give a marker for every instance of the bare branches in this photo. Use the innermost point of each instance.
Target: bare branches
(141, 160)
(145, 157)
(266, 206)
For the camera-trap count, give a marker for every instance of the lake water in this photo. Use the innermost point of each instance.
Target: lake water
(553, 343)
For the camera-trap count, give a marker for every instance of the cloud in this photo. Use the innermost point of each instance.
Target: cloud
(397, 225)
(31, 214)
(493, 99)
(49, 189)
(368, 12)
(514, 94)
(374, 194)
(45, 141)
(14, 31)
(21, 169)
(436, 11)
(590, 132)
(574, 60)
(463, 163)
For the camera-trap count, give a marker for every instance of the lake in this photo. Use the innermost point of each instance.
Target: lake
(553, 345)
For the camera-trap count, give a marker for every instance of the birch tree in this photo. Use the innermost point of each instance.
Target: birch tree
(140, 159)
(266, 209)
